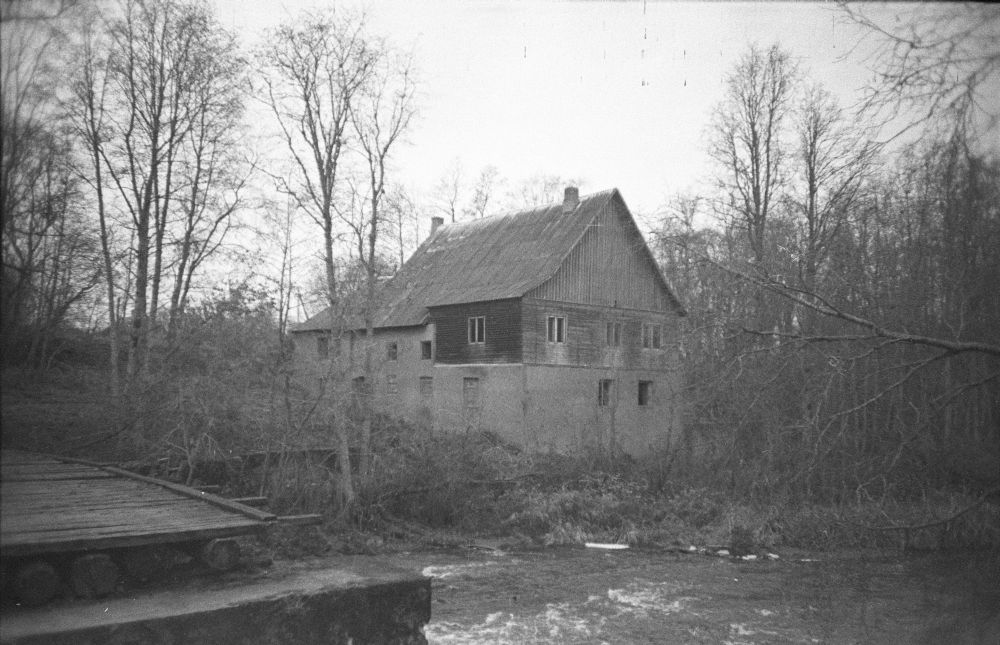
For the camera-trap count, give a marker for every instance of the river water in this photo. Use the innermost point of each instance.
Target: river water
(578, 595)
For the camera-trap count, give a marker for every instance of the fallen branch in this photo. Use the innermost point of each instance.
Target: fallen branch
(926, 525)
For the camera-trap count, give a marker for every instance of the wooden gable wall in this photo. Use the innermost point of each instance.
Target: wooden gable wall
(609, 267)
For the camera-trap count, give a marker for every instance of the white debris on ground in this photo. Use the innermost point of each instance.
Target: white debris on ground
(723, 552)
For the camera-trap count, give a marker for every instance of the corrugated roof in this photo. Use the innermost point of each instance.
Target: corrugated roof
(488, 259)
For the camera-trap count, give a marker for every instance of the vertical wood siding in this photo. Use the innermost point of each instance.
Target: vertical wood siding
(585, 344)
(608, 267)
(503, 332)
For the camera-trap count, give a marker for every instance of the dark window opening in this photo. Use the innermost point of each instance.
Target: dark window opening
(470, 393)
(556, 329)
(426, 386)
(391, 387)
(426, 350)
(604, 392)
(613, 334)
(645, 393)
(323, 346)
(392, 350)
(477, 330)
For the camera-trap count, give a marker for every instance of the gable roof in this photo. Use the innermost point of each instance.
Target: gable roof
(494, 258)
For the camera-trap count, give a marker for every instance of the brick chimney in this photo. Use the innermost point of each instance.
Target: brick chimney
(571, 199)
(435, 223)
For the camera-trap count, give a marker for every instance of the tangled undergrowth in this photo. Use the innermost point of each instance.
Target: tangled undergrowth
(443, 489)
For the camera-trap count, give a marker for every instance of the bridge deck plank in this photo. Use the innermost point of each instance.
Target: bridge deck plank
(53, 504)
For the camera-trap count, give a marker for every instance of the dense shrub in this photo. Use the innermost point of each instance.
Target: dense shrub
(457, 480)
(605, 508)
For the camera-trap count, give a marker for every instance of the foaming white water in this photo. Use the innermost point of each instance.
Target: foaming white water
(559, 623)
(451, 570)
(567, 622)
(645, 597)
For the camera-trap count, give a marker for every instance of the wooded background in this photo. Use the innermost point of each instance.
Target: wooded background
(842, 278)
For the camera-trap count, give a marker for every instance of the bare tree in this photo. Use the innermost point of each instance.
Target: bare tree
(934, 60)
(403, 212)
(160, 58)
(86, 108)
(24, 12)
(746, 138)
(380, 118)
(446, 196)
(538, 190)
(316, 68)
(46, 244)
(832, 160)
(484, 194)
(26, 140)
(214, 166)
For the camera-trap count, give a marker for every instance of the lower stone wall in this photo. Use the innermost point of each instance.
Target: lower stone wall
(563, 412)
(365, 604)
(496, 407)
(540, 407)
(555, 408)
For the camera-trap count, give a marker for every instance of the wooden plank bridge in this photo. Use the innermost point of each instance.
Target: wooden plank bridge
(57, 505)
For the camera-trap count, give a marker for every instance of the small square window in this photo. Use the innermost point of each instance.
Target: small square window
(556, 329)
(426, 350)
(604, 386)
(645, 393)
(477, 330)
(391, 350)
(613, 334)
(426, 386)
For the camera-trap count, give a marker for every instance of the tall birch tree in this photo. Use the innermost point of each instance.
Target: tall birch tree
(315, 69)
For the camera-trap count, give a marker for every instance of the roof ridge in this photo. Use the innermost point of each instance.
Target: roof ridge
(524, 211)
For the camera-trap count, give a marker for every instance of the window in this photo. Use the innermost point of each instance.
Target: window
(556, 329)
(323, 346)
(604, 392)
(391, 350)
(477, 330)
(645, 393)
(426, 386)
(613, 334)
(391, 387)
(650, 336)
(470, 393)
(360, 388)
(426, 349)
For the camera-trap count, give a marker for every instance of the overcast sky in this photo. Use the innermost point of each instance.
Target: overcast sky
(616, 94)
